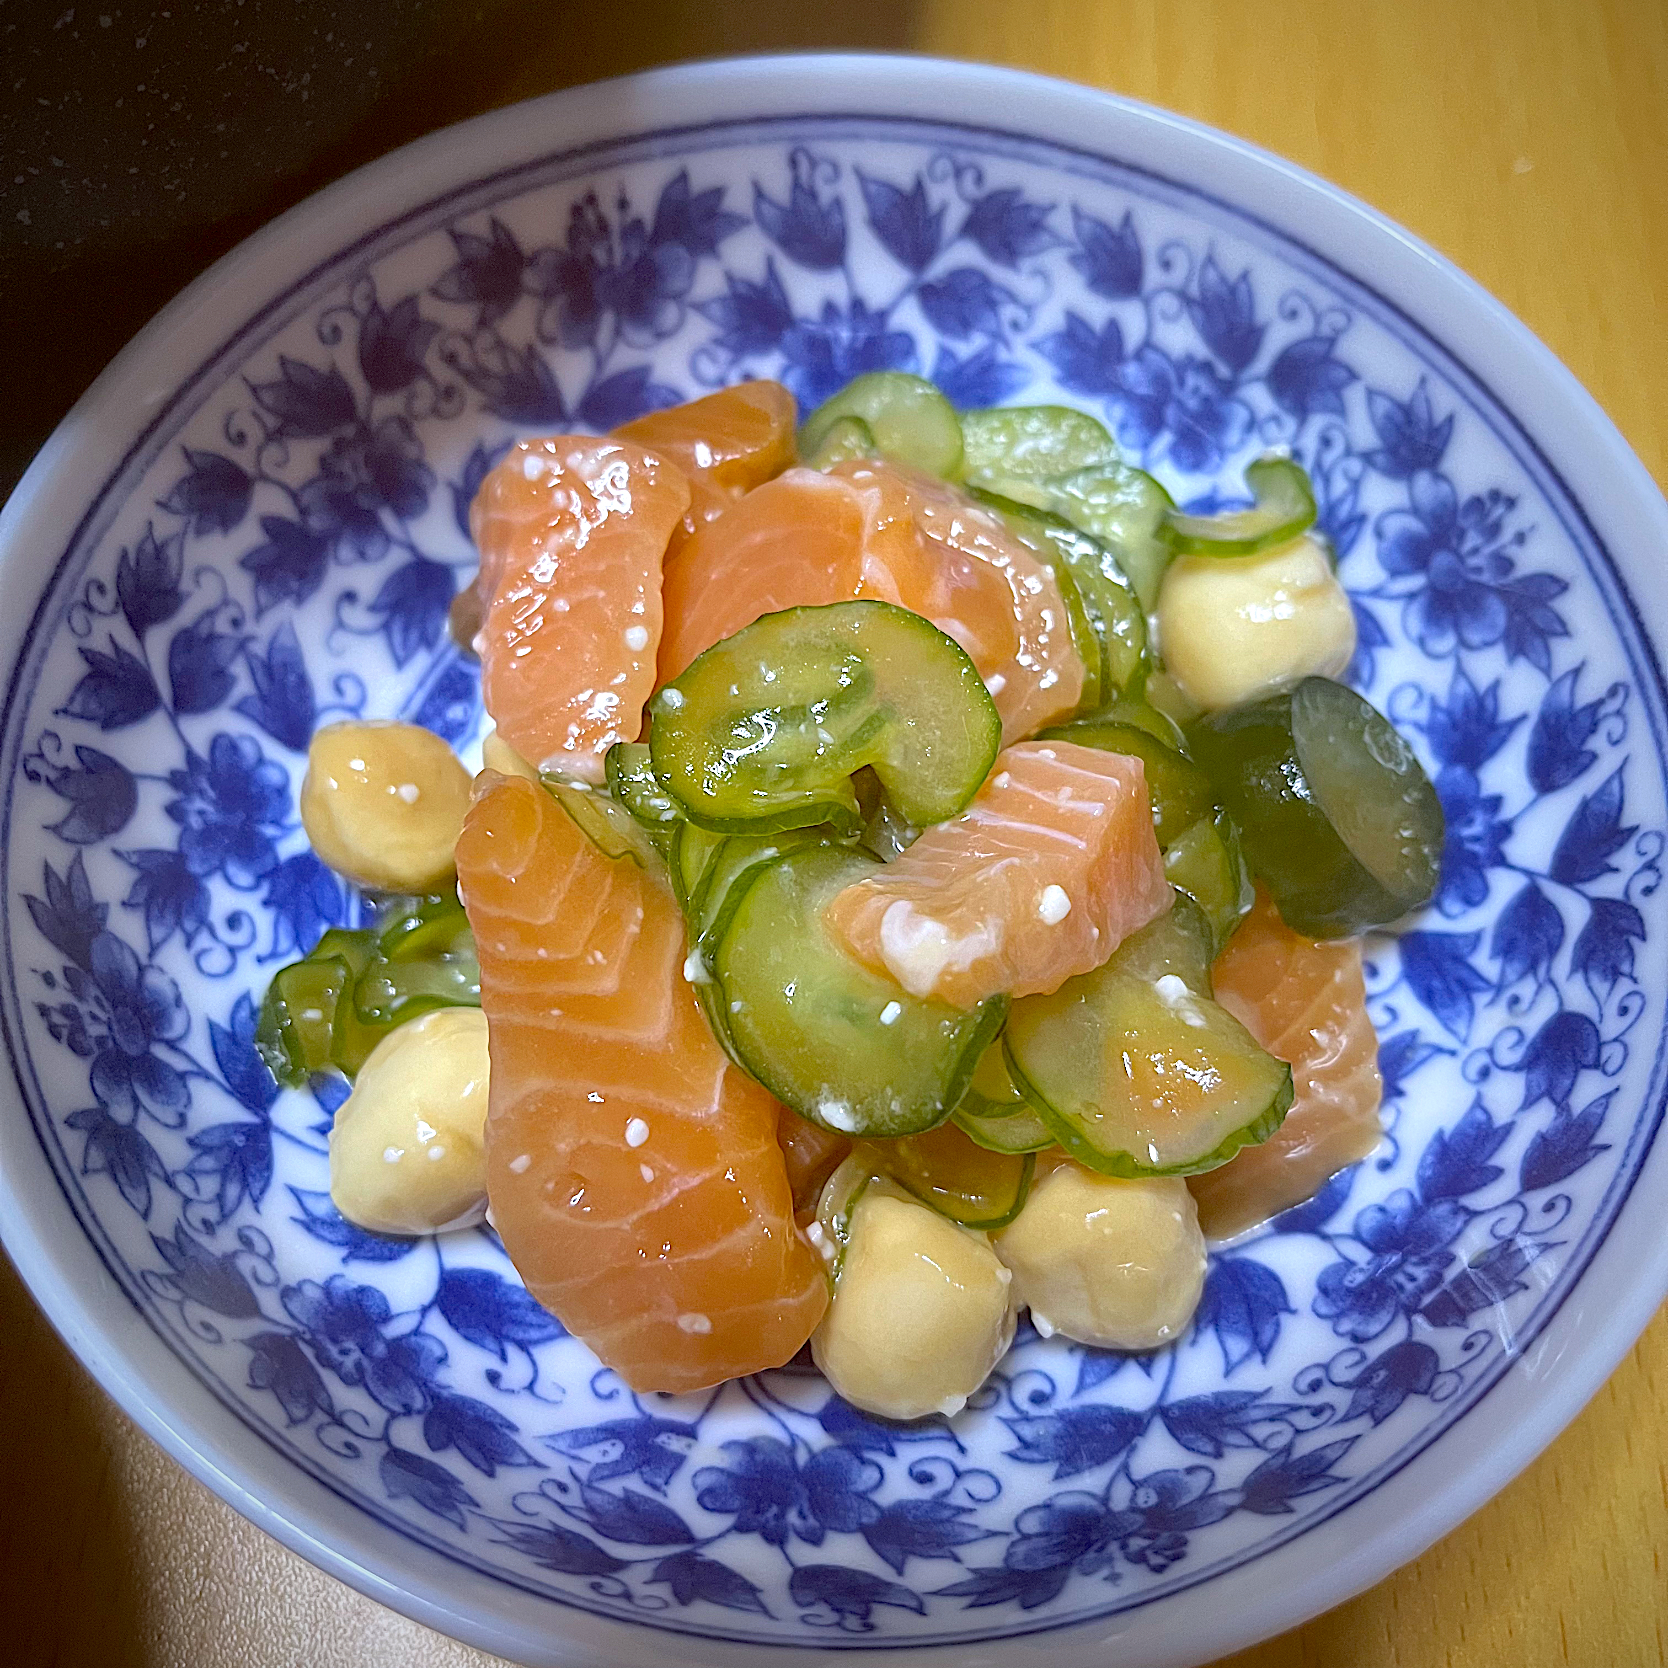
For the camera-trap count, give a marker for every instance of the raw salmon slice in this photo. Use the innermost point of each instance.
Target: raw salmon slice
(726, 444)
(572, 533)
(1049, 869)
(635, 1175)
(874, 530)
(1306, 1003)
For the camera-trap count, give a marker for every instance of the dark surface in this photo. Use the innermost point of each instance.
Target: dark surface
(140, 143)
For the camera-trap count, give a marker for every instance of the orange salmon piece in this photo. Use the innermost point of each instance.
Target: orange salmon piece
(635, 1175)
(725, 443)
(1306, 1003)
(1049, 869)
(572, 532)
(867, 529)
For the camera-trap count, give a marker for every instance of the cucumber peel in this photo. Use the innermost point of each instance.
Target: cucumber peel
(1284, 507)
(765, 730)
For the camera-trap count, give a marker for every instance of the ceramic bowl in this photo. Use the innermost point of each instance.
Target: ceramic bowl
(255, 522)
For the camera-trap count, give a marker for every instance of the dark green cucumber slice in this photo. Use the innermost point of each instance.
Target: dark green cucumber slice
(839, 1044)
(1125, 508)
(1180, 792)
(606, 823)
(1114, 614)
(953, 1175)
(1285, 507)
(632, 781)
(1337, 816)
(910, 421)
(766, 729)
(844, 439)
(1008, 449)
(995, 1114)
(1206, 863)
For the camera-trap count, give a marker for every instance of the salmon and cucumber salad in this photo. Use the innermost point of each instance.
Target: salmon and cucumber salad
(916, 877)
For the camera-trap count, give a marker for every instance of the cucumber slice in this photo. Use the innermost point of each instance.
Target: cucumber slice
(1180, 791)
(389, 993)
(438, 928)
(954, 1176)
(632, 781)
(910, 421)
(692, 850)
(293, 1033)
(1179, 941)
(1114, 612)
(1338, 818)
(765, 730)
(351, 1038)
(607, 824)
(995, 1114)
(307, 1023)
(1285, 507)
(1010, 448)
(1125, 508)
(844, 439)
(1141, 1077)
(807, 1019)
(1207, 865)
(1135, 1069)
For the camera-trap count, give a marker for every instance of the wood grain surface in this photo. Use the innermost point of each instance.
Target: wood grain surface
(1528, 140)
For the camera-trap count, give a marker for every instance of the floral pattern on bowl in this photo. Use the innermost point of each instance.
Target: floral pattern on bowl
(285, 554)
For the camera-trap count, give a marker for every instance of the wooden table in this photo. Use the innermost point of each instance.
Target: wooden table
(1527, 140)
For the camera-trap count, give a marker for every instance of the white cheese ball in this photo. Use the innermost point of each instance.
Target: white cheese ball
(1117, 1264)
(922, 1311)
(1231, 628)
(384, 804)
(406, 1151)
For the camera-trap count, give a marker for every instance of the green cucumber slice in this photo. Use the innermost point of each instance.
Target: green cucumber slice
(766, 729)
(692, 850)
(1337, 816)
(1010, 448)
(839, 1044)
(1114, 614)
(293, 1033)
(995, 1114)
(953, 1175)
(1125, 508)
(844, 439)
(909, 420)
(1179, 941)
(1142, 1077)
(1207, 865)
(632, 781)
(1180, 792)
(606, 823)
(390, 992)
(1285, 507)
(1136, 1070)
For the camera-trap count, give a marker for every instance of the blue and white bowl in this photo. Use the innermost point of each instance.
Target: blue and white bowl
(255, 522)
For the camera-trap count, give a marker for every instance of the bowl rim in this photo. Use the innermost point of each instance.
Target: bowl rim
(1582, 1341)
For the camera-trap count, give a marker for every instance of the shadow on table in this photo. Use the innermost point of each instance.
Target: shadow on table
(137, 154)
